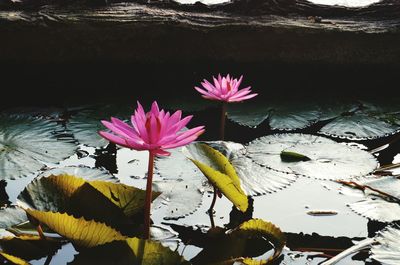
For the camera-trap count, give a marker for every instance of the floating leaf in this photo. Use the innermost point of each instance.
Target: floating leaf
(11, 216)
(388, 250)
(359, 127)
(284, 116)
(29, 247)
(13, 259)
(258, 180)
(248, 114)
(291, 116)
(380, 198)
(102, 201)
(219, 171)
(183, 198)
(328, 159)
(81, 232)
(84, 172)
(86, 124)
(251, 239)
(376, 208)
(27, 144)
(132, 251)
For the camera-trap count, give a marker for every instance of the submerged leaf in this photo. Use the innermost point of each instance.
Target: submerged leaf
(376, 208)
(27, 144)
(292, 116)
(220, 172)
(387, 251)
(328, 159)
(81, 232)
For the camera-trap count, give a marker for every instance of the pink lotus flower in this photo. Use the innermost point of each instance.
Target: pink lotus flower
(225, 89)
(154, 131)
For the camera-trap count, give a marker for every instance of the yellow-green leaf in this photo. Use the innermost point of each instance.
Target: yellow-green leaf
(13, 259)
(129, 199)
(153, 253)
(220, 172)
(259, 227)
(81, 232)
(29, 246)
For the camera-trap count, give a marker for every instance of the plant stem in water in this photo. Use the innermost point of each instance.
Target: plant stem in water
(211, 210)
(148, 196)
(223, 118)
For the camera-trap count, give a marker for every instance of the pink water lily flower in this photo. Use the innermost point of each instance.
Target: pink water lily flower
(225, 89)
(154, 131)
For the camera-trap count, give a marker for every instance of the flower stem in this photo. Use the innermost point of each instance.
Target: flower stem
(148, 196)
(223, 118)
(211, 210)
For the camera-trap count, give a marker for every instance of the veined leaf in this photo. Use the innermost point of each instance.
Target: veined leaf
(27, 143)
(13, 259)
(388, 250)
(244, 244)
(220, 172)
(53, 193)
(81, 232)
(29, 246)
(328, 159)
(153, 253)
(132, 251)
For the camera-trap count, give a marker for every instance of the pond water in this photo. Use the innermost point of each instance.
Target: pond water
(311, 238)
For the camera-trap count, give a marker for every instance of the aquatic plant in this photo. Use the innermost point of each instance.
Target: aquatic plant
(225, 89)
(153, 131)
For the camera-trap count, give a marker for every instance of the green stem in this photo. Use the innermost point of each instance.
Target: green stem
(148, 196)
(223, 118)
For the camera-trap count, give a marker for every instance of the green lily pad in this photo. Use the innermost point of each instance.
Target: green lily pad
(27, 144)
(327, 159)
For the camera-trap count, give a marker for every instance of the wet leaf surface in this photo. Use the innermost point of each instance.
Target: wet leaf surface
(388, 249)
(328, 159)
(27, 144)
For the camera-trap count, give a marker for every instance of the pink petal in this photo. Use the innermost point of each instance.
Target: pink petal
(154, 108)
(190, 132)
(160, 152)
(113, 138)
(243, 98)
(124, 128)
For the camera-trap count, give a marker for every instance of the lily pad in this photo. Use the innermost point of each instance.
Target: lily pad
(84, 172)
(286, 116)
(27, 144)
(183, 198)
(86, 124)
(248, 114)
(81, 232)
(182, 187)
(380, 198)
(387, 251)
(328, 159)
(132, 251)
(291, 116)
(359, 126)
(11, 216)
(107, 202)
